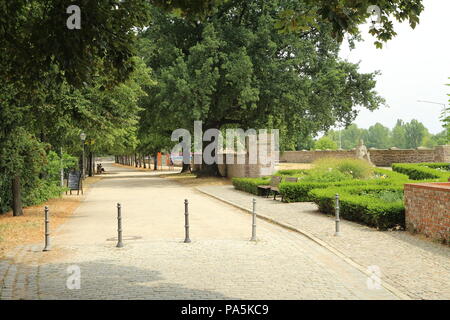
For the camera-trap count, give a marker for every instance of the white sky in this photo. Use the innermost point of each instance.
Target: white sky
(415, 65)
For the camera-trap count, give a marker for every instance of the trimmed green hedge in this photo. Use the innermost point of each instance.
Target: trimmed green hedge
(417, 171)
(291, 172)
(250, 184)
(299, 192)
(437, 165)
(361, 204)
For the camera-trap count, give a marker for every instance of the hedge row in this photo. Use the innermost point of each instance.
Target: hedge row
(250, 184)
(420, 171)
(299, 192)
(291, 172)
(437, 165)
(360, 207)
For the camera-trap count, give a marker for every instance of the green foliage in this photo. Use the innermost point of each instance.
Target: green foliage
(325, 143)
(347, 15)
(291, 172)
(390, 195)
(299, 192)
(415, 132)
(349, 137)
(352, 168)
(233, 69)
(398, 135)
(249, 185)
(377, 206)
(37, 190)
(436, 165)
(420, 171)
(409, 135)
(390, 175)
(331, 175)
(377, 136)
(52, 170)
(42, 191)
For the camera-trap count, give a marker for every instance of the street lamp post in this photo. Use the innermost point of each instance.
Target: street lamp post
(83, 139)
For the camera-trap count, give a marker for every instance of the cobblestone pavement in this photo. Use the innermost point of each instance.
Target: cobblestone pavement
(415, 266)
(220, 263)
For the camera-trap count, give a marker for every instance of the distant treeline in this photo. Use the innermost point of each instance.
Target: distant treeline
(405, 135)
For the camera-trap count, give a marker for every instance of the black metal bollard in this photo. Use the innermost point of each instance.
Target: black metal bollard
(47, 230)
(119, 226)
(254, 221)
(186, 221)
(337, 233)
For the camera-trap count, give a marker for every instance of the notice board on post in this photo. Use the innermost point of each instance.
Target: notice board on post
(74, 182)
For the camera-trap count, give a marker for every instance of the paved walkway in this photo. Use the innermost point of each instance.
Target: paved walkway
(417, 267)
(220, 263)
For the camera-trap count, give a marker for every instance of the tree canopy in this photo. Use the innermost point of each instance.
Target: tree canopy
(235, 69)
(227, 62)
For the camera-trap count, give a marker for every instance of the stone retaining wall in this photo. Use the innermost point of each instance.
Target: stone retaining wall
(383, 158)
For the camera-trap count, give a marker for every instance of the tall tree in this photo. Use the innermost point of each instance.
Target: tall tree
(398, 135)
(39, 55)
(235, 69)
(325, 143)
(377, 136)
(415, 133)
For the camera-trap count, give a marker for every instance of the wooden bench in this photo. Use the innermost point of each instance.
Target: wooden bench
(274, 182)
(273, 186)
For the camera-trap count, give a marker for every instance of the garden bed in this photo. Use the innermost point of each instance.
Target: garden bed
(377, 206)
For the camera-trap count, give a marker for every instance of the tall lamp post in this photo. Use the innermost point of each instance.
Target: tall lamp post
(83, 139)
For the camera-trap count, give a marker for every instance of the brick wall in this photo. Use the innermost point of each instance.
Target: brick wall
(428, 210)
(379, 157)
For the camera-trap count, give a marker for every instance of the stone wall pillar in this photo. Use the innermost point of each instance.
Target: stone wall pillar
(442, 153)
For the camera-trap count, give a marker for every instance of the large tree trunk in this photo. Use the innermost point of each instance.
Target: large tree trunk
(91, 164)
(16, 197)
(209, 170)
(155, 160)
(186, 168)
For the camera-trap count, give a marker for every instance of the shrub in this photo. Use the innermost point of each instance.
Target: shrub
(366, 204)
(291, 172)
(442, 166)
(299, 192)
(420, 172)
(34, 189)
(356, 168)
(250, 184)
(392, 176)
(325, 143)
(326, 176)
(43, 191)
